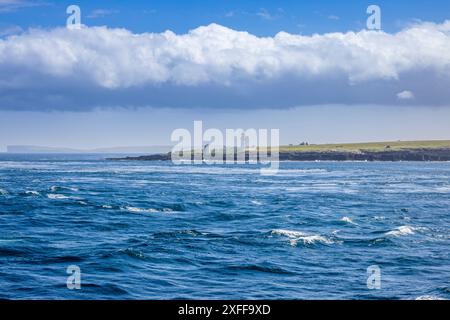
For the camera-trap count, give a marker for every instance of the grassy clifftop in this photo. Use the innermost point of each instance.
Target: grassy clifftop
(370, 146)
(373, 151)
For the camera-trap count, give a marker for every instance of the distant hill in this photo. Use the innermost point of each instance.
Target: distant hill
(369, 146)
(41, 149)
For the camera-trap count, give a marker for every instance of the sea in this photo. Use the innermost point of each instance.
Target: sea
(82, 227)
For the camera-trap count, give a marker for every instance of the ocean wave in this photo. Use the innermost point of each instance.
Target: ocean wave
(302, 171)
(178, 233)
(296, 236)
(133, 253)
(156, 207)
(403, 231)
(3, 192)
(259, 268)
(429, 297)
(319, 188)
(32, 193)
(256, 202)
(287, 233)
(140, 210)
(146, 210)
(191, 169)
(26, 165)
(61, 188)
(415, 189)
(347, 220)
(57, 196)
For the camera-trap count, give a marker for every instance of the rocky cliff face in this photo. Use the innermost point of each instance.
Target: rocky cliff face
(403, 155)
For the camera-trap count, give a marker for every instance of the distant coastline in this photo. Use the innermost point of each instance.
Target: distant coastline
(26, 149)
(375, 151)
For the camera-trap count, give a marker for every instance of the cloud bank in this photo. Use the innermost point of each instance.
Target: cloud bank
(217, 67)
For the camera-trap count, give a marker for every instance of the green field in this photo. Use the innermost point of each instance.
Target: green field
(369, 146)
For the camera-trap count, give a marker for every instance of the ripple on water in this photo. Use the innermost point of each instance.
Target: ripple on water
(265, 268)
(133, 253)
(177, 233)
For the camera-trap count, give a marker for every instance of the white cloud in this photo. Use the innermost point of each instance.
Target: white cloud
(213, 66)
(405, 95)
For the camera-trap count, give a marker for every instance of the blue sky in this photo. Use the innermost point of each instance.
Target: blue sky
(308, 68)
(260, 17)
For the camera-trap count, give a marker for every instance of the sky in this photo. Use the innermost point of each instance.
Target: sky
(137, 70)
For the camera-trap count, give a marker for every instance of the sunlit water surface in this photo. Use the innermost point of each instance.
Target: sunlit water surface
(153, 230)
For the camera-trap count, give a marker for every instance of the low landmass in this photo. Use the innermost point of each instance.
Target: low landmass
(436, 150)
(124, 150)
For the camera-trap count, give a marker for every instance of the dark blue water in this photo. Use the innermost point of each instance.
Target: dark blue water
(152, 230)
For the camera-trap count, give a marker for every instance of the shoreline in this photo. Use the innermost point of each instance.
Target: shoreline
(407, 155)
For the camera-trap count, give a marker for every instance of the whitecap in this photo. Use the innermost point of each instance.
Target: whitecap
(140, 210)
(106, 206)
(56, 196)
(429, 297)
(3, 192)
(347, 220)
(32, 193)
(288, 233)
(256, 203)
(297, 236)
(313, 239)
(57, 188)
(403, 231)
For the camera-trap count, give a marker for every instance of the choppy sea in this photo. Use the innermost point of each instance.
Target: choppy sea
(154, 230)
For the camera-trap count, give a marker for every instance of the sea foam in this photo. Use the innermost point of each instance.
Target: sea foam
(347, 220)
(145, 210)
(57, 196)
(140, 210)
(429, 297)
(403, 231)
(32, 193)
(296, 236)
(59, 188)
